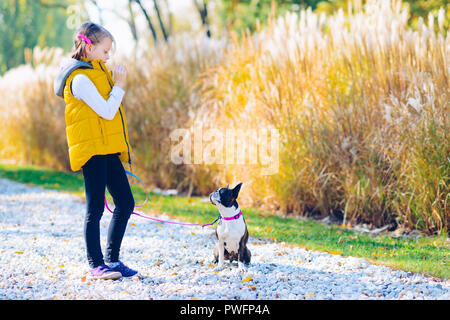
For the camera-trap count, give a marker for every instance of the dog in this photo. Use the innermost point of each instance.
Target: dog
(231, 230)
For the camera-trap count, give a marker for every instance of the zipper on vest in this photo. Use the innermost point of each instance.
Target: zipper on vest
(103, 130)
(121, 117)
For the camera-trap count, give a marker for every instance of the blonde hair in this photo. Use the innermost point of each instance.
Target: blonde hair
(93, 32)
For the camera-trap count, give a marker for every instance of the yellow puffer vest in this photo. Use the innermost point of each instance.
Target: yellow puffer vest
(88, 134)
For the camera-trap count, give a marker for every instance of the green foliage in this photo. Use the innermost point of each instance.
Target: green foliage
(30, 23)
(418, 9)
(422, 8)
(241, 14)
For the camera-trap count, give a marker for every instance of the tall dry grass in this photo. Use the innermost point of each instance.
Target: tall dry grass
(360, 100)
(162, 94)
(362, 104)
(32, 126)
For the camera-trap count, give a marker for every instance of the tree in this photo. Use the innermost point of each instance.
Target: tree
(421, 9)
(417, 9)
(242, 14)
(158, 12)
(149, 21)
(202, 9)
(26, 24)
(161, 23)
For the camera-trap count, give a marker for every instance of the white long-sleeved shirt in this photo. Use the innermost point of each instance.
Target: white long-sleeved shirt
(84, 89)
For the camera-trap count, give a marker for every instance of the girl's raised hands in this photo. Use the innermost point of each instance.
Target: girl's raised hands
(119, 75)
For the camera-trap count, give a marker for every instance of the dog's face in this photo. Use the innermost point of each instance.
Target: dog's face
(225, 197)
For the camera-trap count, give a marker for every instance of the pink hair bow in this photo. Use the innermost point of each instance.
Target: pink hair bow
(86, 39)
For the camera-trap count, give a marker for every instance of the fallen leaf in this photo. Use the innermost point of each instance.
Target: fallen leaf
(247, 279)
(311, 294)
(158, 263)
(193, 233)
(335, 252)
(159, 225)
(83, 279)
(18, 252)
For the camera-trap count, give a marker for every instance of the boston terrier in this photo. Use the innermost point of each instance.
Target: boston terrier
(231, 231)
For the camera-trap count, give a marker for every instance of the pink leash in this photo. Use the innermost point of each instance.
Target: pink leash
(155, 219)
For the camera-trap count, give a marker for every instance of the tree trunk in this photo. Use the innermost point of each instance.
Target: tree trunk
(203, 11)
(158, 14)
(149, 21)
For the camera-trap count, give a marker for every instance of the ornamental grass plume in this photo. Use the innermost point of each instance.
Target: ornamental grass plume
(361, 103)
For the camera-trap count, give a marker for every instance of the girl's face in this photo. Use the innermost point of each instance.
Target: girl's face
(99, 50)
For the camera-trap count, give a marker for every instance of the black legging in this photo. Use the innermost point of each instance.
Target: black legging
(98, 172)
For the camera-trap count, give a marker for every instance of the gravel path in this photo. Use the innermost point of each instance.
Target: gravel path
(42, 256)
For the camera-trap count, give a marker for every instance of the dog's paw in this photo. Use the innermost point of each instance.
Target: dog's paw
(242, 268)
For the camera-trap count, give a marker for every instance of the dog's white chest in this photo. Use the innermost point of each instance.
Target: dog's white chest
(230, 233)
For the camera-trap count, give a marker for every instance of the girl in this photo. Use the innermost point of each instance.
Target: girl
(98, 141)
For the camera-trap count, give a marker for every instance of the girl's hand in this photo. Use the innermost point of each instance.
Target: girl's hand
(119, 75)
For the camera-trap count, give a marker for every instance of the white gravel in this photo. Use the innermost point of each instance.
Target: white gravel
(42, 256)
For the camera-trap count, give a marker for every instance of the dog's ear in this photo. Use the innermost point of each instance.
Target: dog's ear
(236, 190)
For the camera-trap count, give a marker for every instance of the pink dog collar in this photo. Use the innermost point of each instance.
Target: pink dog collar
(86, 39)
(233, 217)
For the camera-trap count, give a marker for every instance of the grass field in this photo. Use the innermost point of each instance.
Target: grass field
(428, 255)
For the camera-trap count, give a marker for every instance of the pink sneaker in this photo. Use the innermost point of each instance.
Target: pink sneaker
(104, 272)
